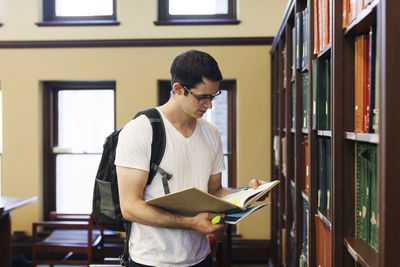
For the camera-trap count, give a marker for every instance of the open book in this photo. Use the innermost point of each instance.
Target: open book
(191, 201)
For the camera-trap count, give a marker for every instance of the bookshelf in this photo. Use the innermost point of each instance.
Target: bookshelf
(334, 132)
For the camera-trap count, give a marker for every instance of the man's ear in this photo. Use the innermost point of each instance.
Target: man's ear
(178, 89)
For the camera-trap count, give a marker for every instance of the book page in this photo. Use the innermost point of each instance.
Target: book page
(248, 196)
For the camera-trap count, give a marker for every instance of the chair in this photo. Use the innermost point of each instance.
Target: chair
(66, 234)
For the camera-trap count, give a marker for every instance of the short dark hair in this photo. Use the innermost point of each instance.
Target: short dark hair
(188, 68)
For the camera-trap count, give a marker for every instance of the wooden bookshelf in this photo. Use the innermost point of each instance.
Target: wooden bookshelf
(341, 137)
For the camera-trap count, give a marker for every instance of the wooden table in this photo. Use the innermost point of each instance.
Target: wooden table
(7, 204)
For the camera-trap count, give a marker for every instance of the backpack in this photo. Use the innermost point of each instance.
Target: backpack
(106, 209)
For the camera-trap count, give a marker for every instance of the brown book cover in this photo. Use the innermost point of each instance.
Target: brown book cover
(316, 26)
(346, 8)
(366, 81)
(358, 86)
(319, 233)
(307, 166)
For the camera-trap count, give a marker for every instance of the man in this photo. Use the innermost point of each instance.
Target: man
(194, 157)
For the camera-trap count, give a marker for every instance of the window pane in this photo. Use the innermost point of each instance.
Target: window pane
(218, 116)
(86, 118)
(75, 182)
(84, 7)
(196, 7)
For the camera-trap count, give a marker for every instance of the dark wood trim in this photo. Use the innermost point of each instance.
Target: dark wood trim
(180, 22)
(251, 251)
(164, 18)
(389, 141)
(281, 30)
(104, 22)
(138, 42)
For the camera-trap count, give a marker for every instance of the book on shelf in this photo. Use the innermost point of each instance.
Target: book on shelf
(306, 164)
(305, 36)
(323, 243)
(362, 86)
(321, 94)
(284, 156)
(304, 89)
(366, 193)
(299, 38)
(192, 201)
(352, 8)
(293, 111)
(316, 26)
(294, 52)
(305, 236)
(284, 54)
(322, 32)
(373, 90)
(324, 173)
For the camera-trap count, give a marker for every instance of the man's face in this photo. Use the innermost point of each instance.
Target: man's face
(199, 99)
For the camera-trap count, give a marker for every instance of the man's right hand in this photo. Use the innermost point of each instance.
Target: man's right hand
(202, 223)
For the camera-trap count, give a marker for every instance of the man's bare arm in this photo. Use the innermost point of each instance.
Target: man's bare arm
(131, 185)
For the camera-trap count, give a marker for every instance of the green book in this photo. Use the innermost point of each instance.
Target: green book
(362, 188)
(328, 177)
(374, 197)
(305, 87)
(327, 96)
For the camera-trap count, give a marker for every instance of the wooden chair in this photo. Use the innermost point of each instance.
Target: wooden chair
(66, 234)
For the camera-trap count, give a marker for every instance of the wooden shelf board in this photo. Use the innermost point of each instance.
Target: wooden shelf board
(305, 69)
(326, 217)
(304, 195)
(363, 21)
(324, 133)
(325, 53)
(361, 251)
(364, 137)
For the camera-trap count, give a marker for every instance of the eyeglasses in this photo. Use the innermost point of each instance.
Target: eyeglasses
(204, 98)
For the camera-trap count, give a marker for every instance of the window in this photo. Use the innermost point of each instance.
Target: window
(78, 116)
(79, 12)
(223, 116)
(186, 12)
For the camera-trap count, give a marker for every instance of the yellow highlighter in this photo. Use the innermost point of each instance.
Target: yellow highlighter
(216, 219)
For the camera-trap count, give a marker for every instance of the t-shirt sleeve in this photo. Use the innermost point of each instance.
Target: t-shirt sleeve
(134, 144)
(219, 163)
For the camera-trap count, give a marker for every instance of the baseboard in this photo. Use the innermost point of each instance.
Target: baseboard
(250, 251)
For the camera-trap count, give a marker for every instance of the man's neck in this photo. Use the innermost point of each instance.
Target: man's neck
(178, 118)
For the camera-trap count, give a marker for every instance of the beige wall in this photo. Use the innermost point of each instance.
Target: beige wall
(136, 71)
(258, 18)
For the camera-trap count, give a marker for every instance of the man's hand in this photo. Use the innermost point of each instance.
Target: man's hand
(254, 183)
(202, 223)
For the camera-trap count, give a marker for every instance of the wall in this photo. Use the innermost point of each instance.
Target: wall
(136, 71)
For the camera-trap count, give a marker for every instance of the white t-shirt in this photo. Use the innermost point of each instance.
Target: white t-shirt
(191, 161)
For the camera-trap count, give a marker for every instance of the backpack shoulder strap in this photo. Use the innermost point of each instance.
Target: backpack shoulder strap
(158, 141)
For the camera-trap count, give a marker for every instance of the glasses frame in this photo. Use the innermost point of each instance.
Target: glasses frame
(206, 99)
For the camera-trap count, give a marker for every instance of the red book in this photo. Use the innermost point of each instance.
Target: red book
(307, 166)
(366, 80)
(316, 27)
(358, 86)
(346, 9)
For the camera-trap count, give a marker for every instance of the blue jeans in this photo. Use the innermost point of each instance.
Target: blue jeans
(207, 262)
